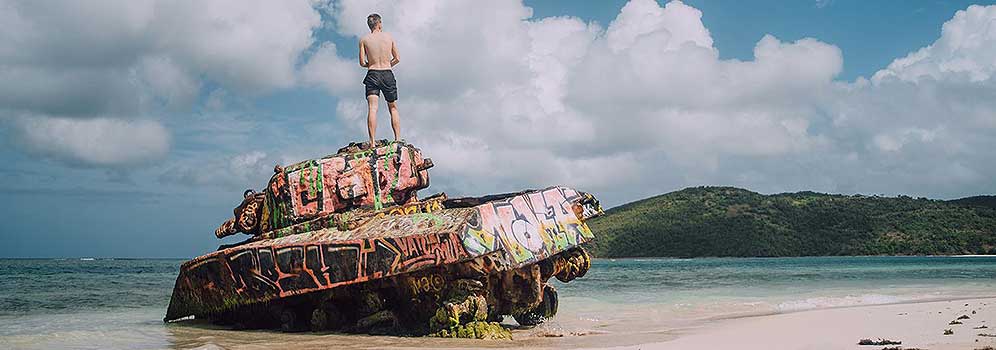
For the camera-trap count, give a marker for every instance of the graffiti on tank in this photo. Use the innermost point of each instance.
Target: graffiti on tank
(427, 250)
(426, 207)
(529, 226)
(389, 175)
(306, 190)
(262, 273)
(432, 283)
(590, 207)
(345, 221)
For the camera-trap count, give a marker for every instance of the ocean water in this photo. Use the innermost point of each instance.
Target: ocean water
(108, 303)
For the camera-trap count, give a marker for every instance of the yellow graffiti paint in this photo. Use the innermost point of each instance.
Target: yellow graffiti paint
(478, 241)
(426, 284)
(519, 253)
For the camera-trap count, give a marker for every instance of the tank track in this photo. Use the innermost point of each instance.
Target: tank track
(465, 300)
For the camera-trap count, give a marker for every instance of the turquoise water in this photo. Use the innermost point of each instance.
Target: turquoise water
(785, 280)
(75, 303)
(31, 286)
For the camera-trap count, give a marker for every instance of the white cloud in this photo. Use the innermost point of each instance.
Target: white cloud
(894, 141)
(966, 50)
(246, 45)
(249, 46)
(139, 59)
(99, 142)
(646, 24)
(173, 86)
(239, 171)
(558, 90)
(326, 69)
(505, 101)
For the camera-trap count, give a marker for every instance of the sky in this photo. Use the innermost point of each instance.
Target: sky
(130, 128)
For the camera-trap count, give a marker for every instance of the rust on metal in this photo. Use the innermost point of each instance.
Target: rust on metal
(338, 228)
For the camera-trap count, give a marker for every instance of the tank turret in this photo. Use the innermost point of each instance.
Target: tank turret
(355, 177)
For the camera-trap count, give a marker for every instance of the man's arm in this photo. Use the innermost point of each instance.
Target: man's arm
(363, 55)
(394, 54)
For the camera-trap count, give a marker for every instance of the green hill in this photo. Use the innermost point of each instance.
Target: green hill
(727, 221)
(977, 201)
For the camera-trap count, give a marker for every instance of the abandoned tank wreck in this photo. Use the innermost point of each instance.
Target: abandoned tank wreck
(343, 243)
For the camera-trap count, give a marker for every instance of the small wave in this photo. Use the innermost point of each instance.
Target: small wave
(831, 302)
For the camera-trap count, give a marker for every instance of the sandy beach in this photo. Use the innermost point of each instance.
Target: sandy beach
(916, 325)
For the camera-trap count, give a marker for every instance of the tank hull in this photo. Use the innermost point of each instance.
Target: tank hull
(423, 249)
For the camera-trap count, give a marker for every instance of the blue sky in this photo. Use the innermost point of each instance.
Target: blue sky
(131, 130)
(870, 33)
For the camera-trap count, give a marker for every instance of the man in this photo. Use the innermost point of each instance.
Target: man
(378, 54)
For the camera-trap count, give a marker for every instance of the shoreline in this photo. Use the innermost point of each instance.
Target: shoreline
(786, 303)
(735, 316)
(97, 257)
(917, 323)
(797, 256)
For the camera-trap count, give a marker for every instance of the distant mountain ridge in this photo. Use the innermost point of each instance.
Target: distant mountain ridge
(729, 221)
(978, 201)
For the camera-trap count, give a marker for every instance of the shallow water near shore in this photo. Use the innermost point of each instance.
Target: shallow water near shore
(106, 303)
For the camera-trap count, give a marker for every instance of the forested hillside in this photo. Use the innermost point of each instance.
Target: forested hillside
(727, 221)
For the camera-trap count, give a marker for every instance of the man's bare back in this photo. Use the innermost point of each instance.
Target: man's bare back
(378, 50)
(378, 54)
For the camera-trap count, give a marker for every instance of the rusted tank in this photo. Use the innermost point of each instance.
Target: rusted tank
(343, 243)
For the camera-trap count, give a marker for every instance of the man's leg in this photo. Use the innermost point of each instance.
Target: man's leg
(395, 121)
(372, 118)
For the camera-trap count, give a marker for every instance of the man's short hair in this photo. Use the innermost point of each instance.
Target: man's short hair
(373, 20)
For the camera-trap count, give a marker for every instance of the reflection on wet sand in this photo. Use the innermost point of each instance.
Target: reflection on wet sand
(592, 326)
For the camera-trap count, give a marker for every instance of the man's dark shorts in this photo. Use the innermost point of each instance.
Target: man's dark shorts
(381, 80)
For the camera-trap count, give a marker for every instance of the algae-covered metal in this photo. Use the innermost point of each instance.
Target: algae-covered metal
(332, 234)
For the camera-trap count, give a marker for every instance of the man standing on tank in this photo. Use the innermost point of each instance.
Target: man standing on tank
(378, 54)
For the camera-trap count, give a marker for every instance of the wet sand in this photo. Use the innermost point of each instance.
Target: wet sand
(580, 327)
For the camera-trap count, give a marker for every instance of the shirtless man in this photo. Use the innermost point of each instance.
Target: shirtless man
(378, 54)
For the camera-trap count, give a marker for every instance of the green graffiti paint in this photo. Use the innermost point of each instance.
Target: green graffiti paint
(315, 170)
(418, 217)
(276, 211)
(375, 175)
(389, 153)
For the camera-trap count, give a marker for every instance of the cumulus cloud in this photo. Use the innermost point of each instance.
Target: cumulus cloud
(965, 51)
(326, 69)
(233, 172)
(650, 100)
(138, 59)
(548, 94)
(100, 141)
(926, 123)
(247, 46)
(504, 101)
